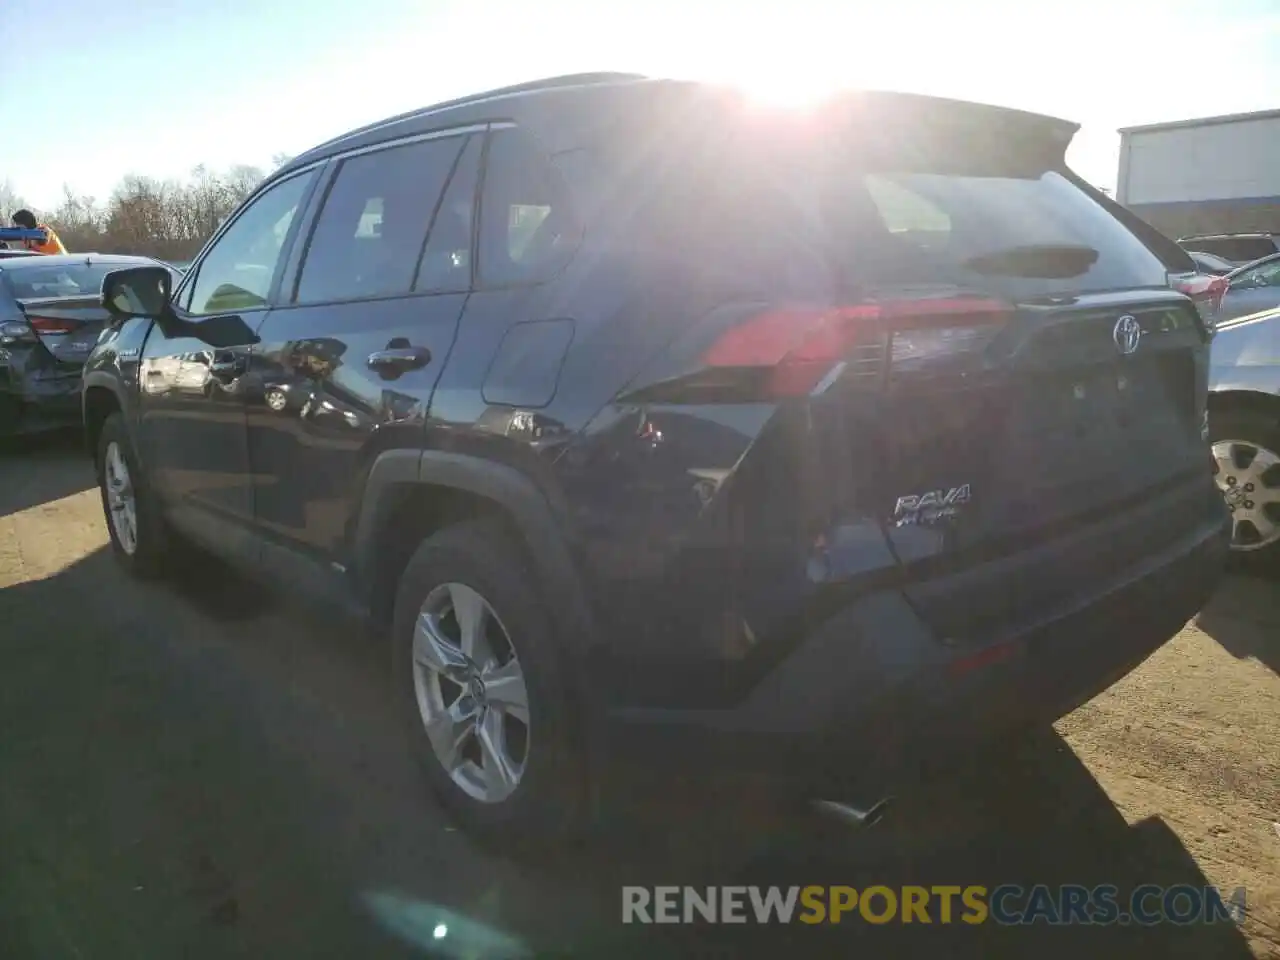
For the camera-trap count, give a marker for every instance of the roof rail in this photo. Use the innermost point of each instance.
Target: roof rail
(547, 83)
(550, 83)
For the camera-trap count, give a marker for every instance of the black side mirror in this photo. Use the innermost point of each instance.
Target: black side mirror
(137, 292)
(145, 292)
(227, 330)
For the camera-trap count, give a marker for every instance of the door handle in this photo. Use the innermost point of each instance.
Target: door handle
(395, 359)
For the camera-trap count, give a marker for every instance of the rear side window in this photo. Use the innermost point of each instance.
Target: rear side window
(446, 261)
(527, 230)
(63, 280)
(372, 228)
(790, 215)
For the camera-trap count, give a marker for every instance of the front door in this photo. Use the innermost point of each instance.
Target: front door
(348, 362)
(191, 409)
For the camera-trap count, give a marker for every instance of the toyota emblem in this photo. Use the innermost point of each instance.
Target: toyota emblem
(1127, 334)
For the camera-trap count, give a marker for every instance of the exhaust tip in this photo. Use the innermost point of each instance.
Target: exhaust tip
(853, 816)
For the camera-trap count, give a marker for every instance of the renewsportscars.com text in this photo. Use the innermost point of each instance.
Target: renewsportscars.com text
(1007, 904)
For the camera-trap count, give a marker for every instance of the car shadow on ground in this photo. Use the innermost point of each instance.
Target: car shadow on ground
(39, 469)
(1244, 617)
(179, 784)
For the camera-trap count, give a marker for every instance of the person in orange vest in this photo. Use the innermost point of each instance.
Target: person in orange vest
(27, 220)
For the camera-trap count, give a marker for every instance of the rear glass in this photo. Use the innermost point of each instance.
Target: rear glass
(786, 216)
(1207, 261)
(1239, 249)
(31, 281)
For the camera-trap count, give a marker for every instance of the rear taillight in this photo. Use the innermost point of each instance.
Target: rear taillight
(51, 324)
(14, 332)
(793, 350)
(1205, 291)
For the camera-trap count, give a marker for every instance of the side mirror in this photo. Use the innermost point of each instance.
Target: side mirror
(227, 330)
(137, 292)
(145, 292)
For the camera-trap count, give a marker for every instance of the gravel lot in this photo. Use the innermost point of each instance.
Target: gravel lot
(195, 769)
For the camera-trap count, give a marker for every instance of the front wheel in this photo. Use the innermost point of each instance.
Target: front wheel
(1246, 451)
(138, 535)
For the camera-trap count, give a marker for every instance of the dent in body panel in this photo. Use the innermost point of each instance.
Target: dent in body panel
(660, 532)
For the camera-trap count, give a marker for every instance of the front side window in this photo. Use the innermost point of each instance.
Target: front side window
(527, 231)
(373, 226)
(237, 271)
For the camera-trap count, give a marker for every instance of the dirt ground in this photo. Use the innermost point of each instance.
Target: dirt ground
(195, 769)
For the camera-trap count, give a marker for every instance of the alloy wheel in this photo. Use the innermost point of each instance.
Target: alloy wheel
(471, 693)
(121, 503)
(1249, 477)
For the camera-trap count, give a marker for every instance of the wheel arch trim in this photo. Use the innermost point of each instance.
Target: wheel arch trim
(516, 494)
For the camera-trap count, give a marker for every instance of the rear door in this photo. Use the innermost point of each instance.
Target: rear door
(1014, 359)
(1077, 393)
(347, 364)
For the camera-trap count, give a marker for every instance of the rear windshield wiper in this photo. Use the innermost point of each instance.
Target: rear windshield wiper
(1047, 260)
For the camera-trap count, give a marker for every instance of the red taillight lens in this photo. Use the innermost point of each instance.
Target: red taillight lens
(1217, 290)
(799, 346)
(51, 324)
(1206, 292)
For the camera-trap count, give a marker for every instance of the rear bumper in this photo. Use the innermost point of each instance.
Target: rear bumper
(32, 400)
(874, 696)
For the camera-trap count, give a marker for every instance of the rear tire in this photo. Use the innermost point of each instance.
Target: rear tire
(141, 544)
(1246, 448)
(535, 796)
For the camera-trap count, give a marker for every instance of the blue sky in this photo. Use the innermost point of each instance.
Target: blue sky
(155, 87)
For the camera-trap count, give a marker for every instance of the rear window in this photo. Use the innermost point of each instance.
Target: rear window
(785, 216)
(1239, 249)
(31, 281)
(1207, 261)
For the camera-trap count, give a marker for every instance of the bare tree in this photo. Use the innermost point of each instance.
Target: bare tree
(10, 201)
(242, 180)
(166, 219)
(78, 221)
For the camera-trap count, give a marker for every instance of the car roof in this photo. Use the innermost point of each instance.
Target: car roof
(565, 107)
(68, 259)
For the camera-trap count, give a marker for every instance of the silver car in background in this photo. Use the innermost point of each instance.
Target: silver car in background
(1251, 289)
(1244, 428)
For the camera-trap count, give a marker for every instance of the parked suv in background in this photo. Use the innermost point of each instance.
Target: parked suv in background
(656, 429)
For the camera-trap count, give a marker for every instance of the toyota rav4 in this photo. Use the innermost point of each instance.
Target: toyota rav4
(660, 430)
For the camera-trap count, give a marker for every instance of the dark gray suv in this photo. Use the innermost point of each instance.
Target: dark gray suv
(656, 430)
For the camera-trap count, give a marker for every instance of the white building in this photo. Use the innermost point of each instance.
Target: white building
(1215, 175)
